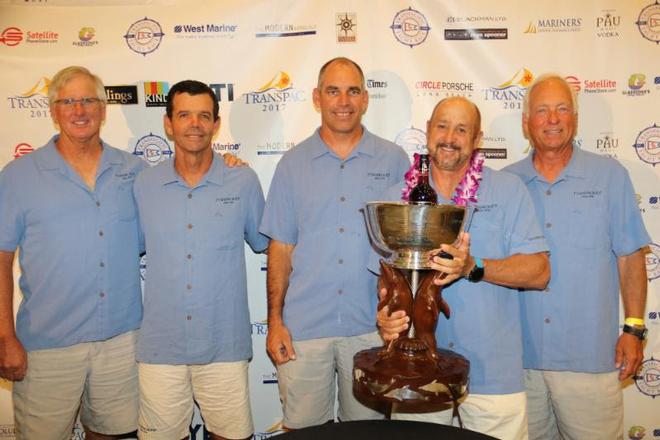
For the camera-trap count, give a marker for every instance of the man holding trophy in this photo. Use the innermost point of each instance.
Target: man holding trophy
(504, 250)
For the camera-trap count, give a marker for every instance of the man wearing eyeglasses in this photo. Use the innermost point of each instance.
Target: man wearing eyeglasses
(75, 224)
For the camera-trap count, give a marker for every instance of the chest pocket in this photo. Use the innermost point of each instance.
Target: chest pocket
(122, 204)
(224, 225)
(488, 236)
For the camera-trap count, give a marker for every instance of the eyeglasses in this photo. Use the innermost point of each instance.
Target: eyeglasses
(70, 102)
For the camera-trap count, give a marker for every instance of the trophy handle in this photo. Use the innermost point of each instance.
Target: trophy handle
(376, 241)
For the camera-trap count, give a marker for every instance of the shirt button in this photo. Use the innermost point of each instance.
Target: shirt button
(451, 345)
(548, 225)
(189, 256)
(342, 166)
(340, 291)
(342, 199)
(547, 289)
(98, 203)
(189, 195)
(341, 230)
(188, 317)
(102, 294)
(548, 192)
(101, 233)
(188, 286)
(547, 320)
(102, 264)
(341, 261)
(189, 225)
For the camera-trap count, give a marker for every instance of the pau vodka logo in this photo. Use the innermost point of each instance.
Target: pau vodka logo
(607, 144)
(607, 24)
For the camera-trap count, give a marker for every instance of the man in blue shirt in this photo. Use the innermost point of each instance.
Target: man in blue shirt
(69, 209)
(504, 250)
(195, 338)
(321, 297)
(573, 353)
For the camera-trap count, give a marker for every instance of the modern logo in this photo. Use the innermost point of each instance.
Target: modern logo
(86, 37)
(121, 94)
(155, 93)
(607, 25)
(574, 82)
(541, 25)
(599, 86)
(648, 379)
(269, 378)
(648, 22)
(153, 149)
(647, 145)
(274, 147)
(607, 145)
(205, 30)
(22, 149)
(511, 93)
(346, 24)
(653, 262)
(477, 34)
(144, 36)
(410, 27)
(636, 432)
(223, 91)
(11, 36)
(34, 101)
(412, 140)
(440, 88)
(277, 30)
(276, 94)
(636, 84)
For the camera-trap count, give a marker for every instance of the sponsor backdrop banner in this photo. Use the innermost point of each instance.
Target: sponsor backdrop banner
(262, 59)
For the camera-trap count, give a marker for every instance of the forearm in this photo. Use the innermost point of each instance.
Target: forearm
(6, 295)
(277, 278)
(633, 283)
(520, 271)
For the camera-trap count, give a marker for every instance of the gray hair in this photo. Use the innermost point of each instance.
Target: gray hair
(67, 74)
(546, 77)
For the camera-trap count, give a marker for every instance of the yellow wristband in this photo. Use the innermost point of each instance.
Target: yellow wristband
(634, 321)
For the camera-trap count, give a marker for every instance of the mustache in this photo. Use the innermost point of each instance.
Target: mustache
(453, 146)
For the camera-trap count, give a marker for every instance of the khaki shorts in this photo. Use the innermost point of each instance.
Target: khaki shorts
(220, 389)
(98, 377)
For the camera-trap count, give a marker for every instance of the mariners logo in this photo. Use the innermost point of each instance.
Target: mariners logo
(653, 262)
(152, 149)
(144, 36)
(412, 140)
(649, 22)
(648, 379)
(647, 145)
(410, 27)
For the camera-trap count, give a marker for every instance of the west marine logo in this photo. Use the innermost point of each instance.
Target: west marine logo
(511, 92)
(34, 101)
(275, 94)
(205, 30)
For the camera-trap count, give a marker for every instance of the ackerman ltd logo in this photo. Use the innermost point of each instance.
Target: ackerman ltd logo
(511, 93)
(86, 37)
(412, 140)
(481, 33)
(153, 149)
(647, 145)
(277, 30)
(562, 24)
(22, 149)
(11, 36)
(346, 24)
(34, 101)
(653, 262)
(144, 36)
(410, 27)
(648, 22)
(205, 30)
(648, 379)
(276, 94)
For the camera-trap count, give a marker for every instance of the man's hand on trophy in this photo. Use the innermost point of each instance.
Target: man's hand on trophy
(457, 265)
(279, 344)
(390, 324)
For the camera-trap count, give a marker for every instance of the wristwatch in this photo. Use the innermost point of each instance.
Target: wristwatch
(477, 272)
(640, 332)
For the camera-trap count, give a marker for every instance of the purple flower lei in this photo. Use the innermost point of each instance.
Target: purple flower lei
(466, 191)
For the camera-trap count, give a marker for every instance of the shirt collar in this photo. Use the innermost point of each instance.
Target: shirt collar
(366, 146)
(214, 175)
(574, 169)
(51, 159)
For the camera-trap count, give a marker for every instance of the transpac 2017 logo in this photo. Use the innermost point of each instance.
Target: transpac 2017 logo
(276, 94)
(511, 92)
(410, 27)
(153, 149)
(144, 36)
(647, 145)
(33, 101)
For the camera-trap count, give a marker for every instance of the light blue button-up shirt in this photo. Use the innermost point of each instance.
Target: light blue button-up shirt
(315, 203)
(78, 247)
(590, 217)
(195, 299)
(485, 319)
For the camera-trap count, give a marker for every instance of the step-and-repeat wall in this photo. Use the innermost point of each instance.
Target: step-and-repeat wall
(262, 59)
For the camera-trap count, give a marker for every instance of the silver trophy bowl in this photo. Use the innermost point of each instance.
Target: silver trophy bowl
(409, 232)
